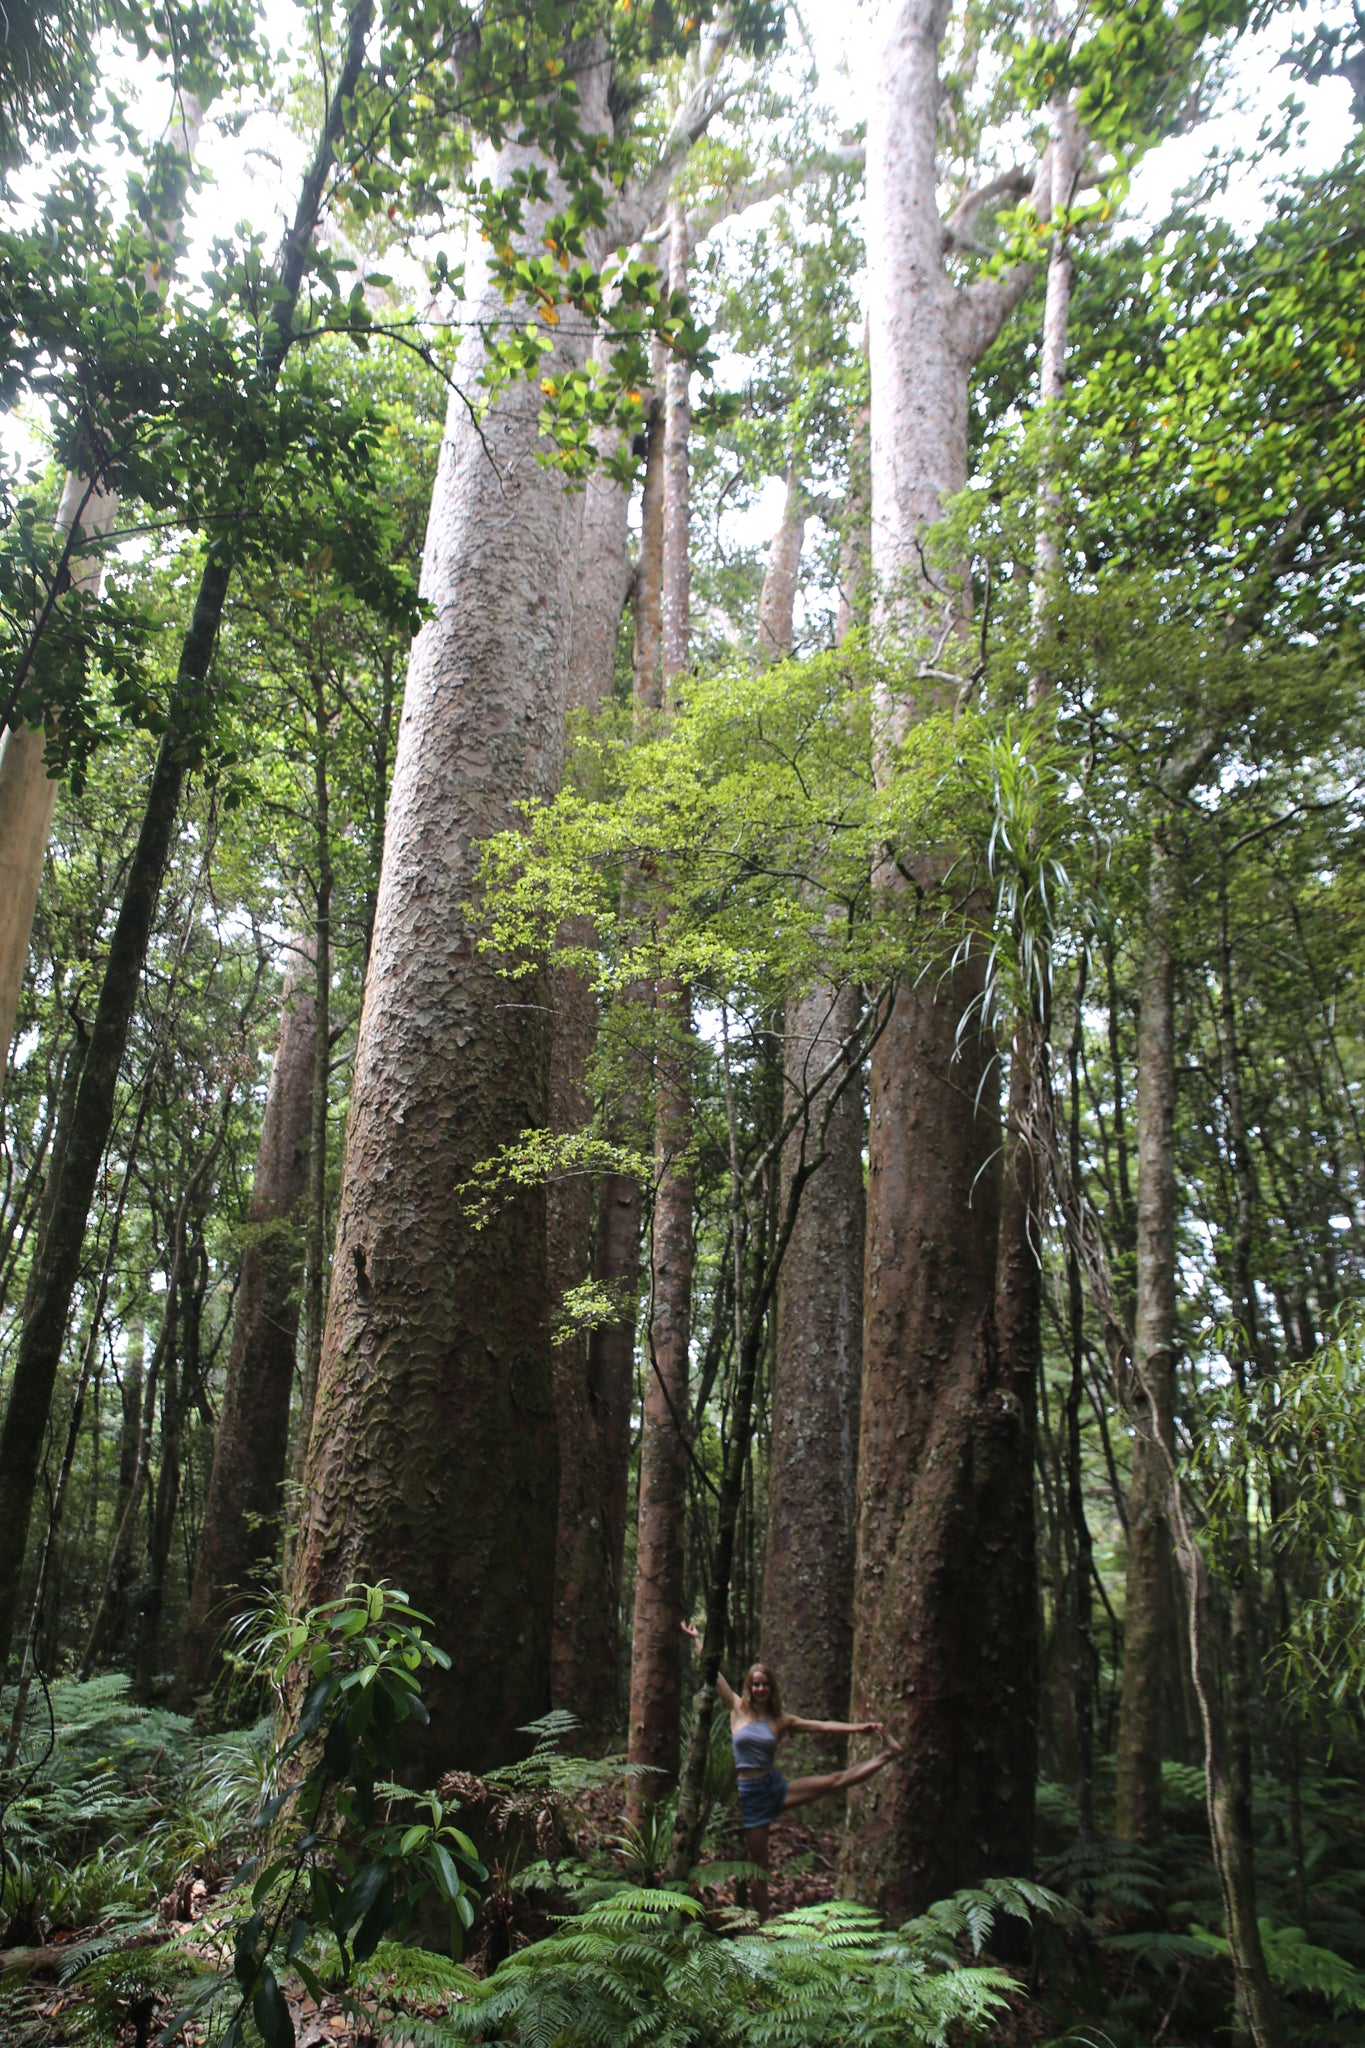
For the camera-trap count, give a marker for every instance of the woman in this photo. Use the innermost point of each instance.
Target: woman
(757, 1725)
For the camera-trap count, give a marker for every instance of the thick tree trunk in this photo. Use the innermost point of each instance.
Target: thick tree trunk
(944, 1437)
(433, 1456)
(782, 577)
(812, 1477)
(239, 1534)
(656, 1640)
(1148, 1582)
(56, 1270)
(807, 1629)
(593, 1405)
(315, 1236)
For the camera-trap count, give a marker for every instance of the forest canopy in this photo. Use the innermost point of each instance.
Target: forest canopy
(681, 919)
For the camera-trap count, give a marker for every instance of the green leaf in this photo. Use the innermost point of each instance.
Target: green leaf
(270, 2012)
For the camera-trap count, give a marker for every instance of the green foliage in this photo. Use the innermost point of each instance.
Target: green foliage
(111, 1804)
(340, 1864)
(643, 1966)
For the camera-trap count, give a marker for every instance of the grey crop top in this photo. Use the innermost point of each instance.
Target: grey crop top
(755, 1746)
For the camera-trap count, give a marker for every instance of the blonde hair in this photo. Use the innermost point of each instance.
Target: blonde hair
(773, 1709)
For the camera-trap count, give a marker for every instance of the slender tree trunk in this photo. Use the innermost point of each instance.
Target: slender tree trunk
(1085, 1668)
(110, 1616)
(1258, 2014)
(1148, 1579)
(807, 1627)
(656, 1642)
(28, 794)
(593, 1410)
(130, 1411)
(92, 1117)
(944, 1437)
(239, 1535)
(433, 1458)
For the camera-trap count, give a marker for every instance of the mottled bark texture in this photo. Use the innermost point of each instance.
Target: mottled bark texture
(653, 1736)
(943, 1438)
(808, 1576)
(593, 1382)
(782, 577)
(240, 1531)
(807, 1626)
(433, 1453)
(1148, 1579)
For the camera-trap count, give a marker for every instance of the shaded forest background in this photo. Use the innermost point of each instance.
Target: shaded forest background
(679, 839)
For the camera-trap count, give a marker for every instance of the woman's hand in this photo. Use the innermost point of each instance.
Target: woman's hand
(870, 1728)
(692, 1632)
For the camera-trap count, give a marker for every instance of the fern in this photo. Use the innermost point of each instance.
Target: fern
(644, 1970)
(1299, 1966)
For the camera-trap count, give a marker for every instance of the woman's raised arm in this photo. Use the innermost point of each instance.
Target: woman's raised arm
(797, 1726)
(729, 1697)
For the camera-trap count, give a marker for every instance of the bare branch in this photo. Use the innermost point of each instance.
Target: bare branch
(959, 228)
(737, 199)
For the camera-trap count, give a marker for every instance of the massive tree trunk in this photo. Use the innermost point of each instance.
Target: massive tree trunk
(239, 1535)
(656, 1641)
(593, 1384)
(942, 1432)
(807, 1631)
(808, 1575)
(433, 1455)
(1148, 1584)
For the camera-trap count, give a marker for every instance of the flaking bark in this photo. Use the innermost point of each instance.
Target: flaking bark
(807, 1624)
(940, 1427)
(433, 1453)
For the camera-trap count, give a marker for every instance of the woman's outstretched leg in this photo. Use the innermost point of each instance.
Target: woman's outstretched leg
(756, 1850)
(801, 1791)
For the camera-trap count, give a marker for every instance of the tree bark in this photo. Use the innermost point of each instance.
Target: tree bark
(807, 1627)
(315, 1245)
(812, 1477)
(239, 1535)
(592, 1404)
(433, 1458)
(943, 1438)
(782, 577)
(28, 794)
(656, 1640)
(1148, 1582)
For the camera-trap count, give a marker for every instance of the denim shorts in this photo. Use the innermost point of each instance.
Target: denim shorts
(760, 1799)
